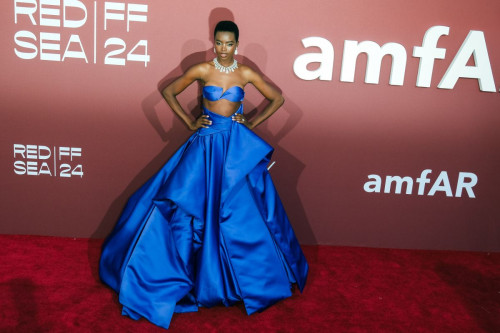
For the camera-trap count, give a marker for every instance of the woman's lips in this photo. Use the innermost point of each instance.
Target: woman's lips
(223, 55)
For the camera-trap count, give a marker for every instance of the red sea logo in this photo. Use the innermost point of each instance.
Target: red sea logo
(37, 160)
(73, 14)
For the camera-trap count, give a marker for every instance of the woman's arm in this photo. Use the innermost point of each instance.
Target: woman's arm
(268, 92)
(194, 73)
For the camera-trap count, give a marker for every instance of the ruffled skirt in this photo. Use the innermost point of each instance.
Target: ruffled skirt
(208, 228)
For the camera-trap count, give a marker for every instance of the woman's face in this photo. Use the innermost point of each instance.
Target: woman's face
(225, 44)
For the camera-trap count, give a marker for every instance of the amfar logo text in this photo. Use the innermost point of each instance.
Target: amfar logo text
(466, 181)
(473, 45)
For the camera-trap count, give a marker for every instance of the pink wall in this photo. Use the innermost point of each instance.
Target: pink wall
(328, 137)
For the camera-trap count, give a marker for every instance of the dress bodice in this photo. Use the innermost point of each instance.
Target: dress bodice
(214, 93)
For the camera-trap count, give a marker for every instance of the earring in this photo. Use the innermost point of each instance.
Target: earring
(236, 51)
(214, 50)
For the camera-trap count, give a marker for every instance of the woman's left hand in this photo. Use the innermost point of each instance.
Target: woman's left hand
(239, 118)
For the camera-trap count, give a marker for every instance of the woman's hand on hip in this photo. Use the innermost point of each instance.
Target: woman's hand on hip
(239, 118)
(201, 121)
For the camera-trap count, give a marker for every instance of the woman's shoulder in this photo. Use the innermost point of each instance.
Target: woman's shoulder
(249, 73)
(244, 68)
(205, 65)
(199, 70)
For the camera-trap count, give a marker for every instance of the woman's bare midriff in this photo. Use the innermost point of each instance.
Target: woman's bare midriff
(222, 106)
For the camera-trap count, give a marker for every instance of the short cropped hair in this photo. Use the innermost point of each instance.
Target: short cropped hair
(227, 26)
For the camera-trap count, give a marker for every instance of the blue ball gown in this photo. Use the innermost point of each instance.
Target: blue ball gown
(208, 228)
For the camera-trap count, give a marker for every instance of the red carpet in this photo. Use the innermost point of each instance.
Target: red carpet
(51, 284)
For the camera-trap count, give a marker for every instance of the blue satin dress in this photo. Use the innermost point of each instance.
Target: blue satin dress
(208, 228)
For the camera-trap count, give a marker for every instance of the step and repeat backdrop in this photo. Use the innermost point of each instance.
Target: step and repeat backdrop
(389, 135)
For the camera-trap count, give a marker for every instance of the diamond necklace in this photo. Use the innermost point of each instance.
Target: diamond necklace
(224, 68)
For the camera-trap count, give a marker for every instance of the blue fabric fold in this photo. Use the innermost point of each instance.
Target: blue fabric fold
(214, 93)
(208, 228)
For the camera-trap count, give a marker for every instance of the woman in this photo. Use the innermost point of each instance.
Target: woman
(209, 227)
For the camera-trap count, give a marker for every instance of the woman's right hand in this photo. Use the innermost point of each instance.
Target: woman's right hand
(202, 121)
